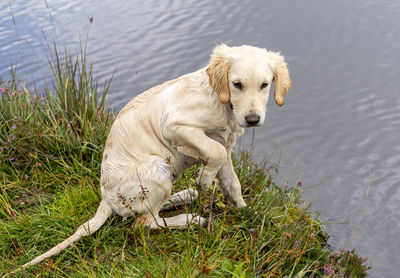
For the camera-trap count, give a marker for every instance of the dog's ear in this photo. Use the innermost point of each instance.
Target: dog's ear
(217, 71)
(281, 77)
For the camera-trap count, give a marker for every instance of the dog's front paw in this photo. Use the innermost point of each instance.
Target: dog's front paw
(240, 203)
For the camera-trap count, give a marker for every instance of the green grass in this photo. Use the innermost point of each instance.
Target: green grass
(50, 155)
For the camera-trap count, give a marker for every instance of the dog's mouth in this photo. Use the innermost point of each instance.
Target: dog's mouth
(248, 126)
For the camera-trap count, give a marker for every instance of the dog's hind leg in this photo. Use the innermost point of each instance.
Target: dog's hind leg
(157, 181)
(175, 222)
(181, 198)
(151, 207)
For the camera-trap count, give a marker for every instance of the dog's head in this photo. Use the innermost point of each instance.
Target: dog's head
(243, 76)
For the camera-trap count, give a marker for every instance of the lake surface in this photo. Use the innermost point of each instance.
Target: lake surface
(339, 130)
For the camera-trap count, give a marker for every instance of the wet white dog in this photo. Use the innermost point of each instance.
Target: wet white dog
(192, 119)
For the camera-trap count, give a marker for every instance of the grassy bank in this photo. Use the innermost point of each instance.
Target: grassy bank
(50, 155)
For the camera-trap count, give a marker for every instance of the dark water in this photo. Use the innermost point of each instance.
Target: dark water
(340, 126)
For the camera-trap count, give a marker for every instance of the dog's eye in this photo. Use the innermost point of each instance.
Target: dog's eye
(264, 85)
(238, 85)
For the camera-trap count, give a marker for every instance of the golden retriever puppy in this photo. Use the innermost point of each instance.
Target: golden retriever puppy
(195, 118)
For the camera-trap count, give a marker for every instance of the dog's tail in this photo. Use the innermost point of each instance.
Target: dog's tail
(88, 228)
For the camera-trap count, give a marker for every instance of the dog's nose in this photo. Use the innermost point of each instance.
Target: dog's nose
(252, 119)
